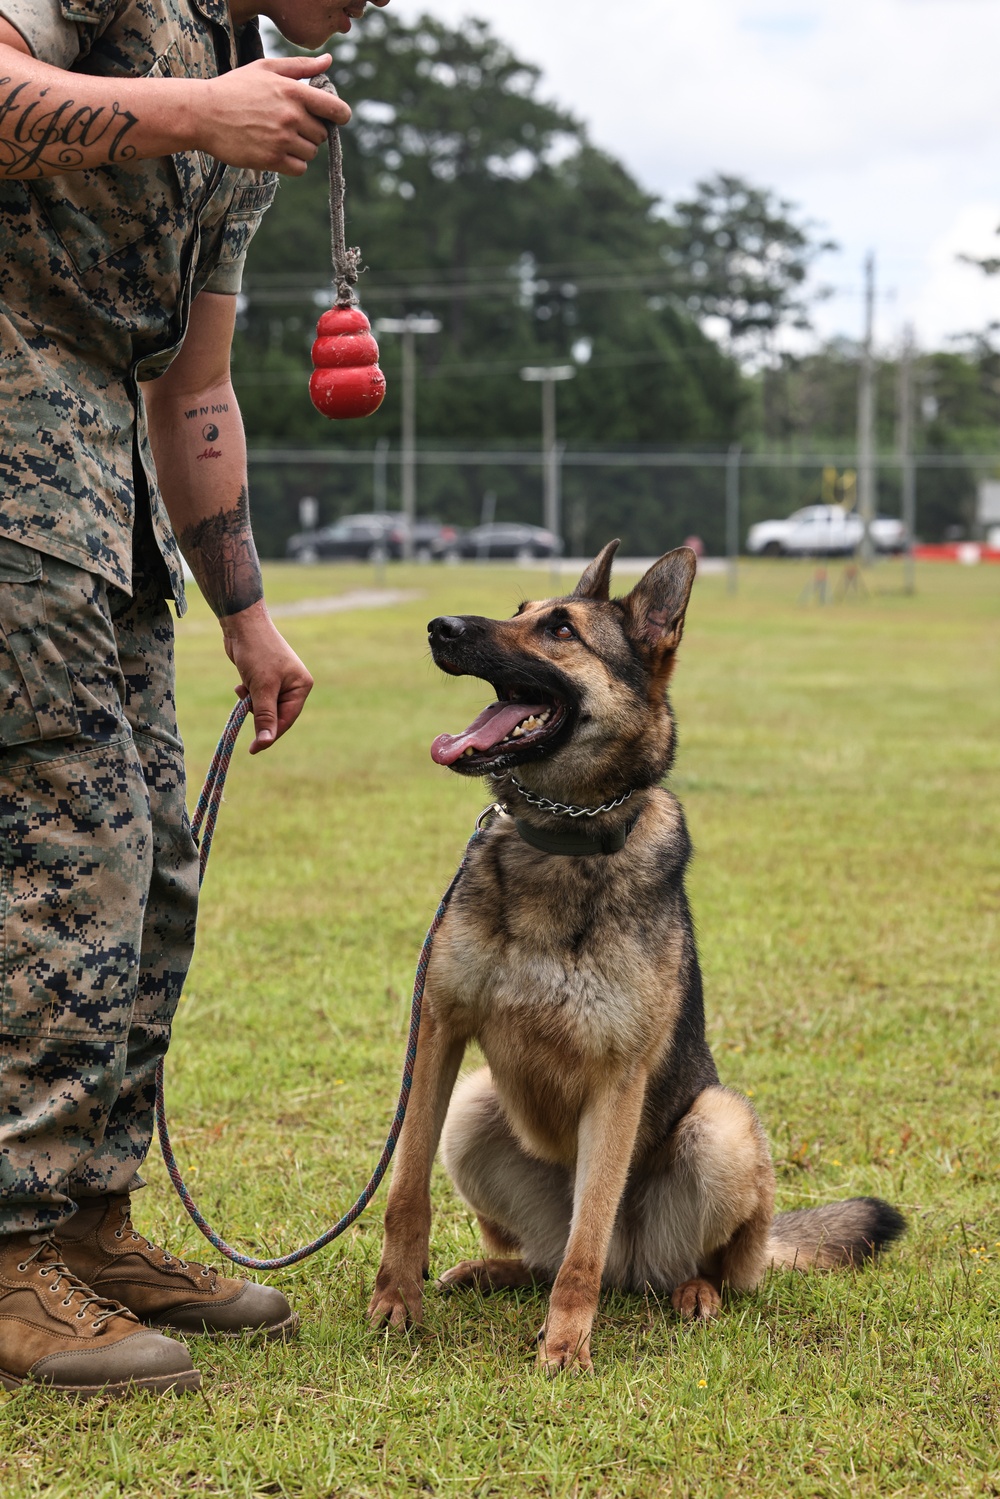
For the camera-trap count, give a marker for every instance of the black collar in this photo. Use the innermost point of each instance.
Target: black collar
(575, 841)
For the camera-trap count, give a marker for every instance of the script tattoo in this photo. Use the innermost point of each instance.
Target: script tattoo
(221, 552)
(37, 138)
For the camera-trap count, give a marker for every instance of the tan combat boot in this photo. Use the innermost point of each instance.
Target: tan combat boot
(56, 1332)
(101, 1245)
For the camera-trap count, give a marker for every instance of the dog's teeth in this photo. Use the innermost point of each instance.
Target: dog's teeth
(467, 753)
(529, 725)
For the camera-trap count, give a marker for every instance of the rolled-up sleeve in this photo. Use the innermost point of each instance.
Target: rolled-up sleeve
(227, 279)
(58, 31)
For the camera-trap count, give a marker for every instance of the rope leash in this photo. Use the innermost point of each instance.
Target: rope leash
(203, 827)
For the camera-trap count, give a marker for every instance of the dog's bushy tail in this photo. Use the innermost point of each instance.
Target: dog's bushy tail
(831, 1237)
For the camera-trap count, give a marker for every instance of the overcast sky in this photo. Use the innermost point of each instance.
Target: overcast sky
(881, 118)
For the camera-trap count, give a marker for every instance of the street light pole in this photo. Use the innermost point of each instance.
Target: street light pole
(408, 327)
(548, 376)
(408, 435)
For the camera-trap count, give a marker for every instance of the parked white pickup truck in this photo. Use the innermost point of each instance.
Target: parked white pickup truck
(822, 531)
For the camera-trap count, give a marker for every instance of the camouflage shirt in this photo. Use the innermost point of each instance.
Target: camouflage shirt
(98, 270)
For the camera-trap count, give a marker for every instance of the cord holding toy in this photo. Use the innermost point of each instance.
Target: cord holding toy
(346, 381)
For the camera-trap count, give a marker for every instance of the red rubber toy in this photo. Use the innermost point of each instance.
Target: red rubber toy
(346, 381)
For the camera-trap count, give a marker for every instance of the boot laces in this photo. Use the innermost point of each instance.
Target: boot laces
(74, 1287)
(127, 1227)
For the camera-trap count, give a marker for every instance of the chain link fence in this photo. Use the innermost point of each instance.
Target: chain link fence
(653, 500)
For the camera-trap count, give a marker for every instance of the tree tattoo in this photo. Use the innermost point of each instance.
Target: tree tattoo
(37, 134)
(224, 559)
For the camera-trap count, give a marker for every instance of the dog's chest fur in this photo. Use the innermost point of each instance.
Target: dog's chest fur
(565, 969)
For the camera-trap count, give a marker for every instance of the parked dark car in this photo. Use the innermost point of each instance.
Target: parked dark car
(373, 538)
(506, 539)
(434, 541)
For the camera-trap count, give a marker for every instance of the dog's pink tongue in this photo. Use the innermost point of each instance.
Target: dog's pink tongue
(492, 725)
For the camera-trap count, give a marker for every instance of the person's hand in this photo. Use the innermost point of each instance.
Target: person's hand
(272, 675)
(265, 115)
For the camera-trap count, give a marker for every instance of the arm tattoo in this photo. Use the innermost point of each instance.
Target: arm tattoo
(36, 135)
(222, 554)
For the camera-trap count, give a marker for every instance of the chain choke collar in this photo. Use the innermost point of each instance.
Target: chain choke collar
(565, 809)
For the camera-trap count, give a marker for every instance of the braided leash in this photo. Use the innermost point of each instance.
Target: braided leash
(206, 815)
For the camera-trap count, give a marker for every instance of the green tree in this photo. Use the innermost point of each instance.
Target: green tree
(808, 402)
(476, 199)
(742, 257)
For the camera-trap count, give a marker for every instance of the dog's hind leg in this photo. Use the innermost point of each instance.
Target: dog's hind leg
(700, 1220)
(488, 1275)
(492, 1274)
(523, 1205)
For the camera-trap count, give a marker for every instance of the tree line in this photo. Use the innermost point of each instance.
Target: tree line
(478, 200)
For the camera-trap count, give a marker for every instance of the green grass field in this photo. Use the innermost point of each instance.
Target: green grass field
(839, 769)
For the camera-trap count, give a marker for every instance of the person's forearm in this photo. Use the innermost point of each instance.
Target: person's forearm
(201, 463)
(196, 433)
(261, 116)
(52, 121)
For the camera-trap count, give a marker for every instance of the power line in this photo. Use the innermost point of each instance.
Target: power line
(653, 283)
(679, 355)
(506, 276)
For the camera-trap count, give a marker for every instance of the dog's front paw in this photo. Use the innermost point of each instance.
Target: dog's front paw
(697, 1299)
(564, 1347)
(397, 1301)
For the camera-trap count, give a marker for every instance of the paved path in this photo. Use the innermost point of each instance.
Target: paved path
(573, 566)
(384, 598)
(340, 603)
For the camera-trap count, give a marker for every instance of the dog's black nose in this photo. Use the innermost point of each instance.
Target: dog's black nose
(447, 627)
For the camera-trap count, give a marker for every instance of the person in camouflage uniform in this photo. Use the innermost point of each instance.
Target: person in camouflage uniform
(138, 145)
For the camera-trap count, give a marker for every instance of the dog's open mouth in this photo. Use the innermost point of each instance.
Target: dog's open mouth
(501, 734)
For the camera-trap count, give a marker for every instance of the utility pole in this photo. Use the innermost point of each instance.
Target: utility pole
(380, 486)
(487, 515)
(907, 460)
(380, 476)
(548, 376)
(408, 328)
(733, 516)
(866, 419)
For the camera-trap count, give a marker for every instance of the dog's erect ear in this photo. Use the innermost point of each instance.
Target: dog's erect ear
(596, 581)
(655, 607)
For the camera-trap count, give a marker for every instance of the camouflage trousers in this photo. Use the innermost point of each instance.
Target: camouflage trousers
(98, 880)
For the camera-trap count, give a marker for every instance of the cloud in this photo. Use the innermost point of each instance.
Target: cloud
(790, 26)
(971, 298)
(879, 117)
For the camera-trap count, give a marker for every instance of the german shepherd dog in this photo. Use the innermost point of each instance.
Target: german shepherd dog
(598, 1146)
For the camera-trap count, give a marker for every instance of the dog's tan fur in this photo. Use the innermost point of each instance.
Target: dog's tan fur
(597, 1146)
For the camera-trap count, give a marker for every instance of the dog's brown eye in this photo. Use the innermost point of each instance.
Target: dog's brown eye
(564, 632)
